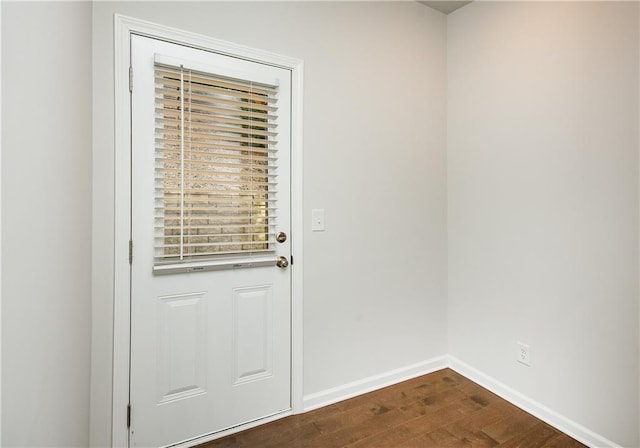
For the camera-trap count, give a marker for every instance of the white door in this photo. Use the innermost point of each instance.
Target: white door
(210, 310)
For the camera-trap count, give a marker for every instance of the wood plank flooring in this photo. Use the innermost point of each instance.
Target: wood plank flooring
(439, 410)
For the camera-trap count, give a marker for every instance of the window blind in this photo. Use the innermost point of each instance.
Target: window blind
(215, 165)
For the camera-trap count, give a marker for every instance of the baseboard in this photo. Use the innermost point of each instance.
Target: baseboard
(350, 390)
(569, 427)
(355, 388)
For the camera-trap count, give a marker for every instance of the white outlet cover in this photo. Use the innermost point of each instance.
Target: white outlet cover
(523, 355)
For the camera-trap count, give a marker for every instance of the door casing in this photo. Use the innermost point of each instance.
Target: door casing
(124, 27)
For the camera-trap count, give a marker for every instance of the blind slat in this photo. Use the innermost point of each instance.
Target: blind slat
(202, 98)
(223, 91)
(218, 193)
(212, 126)
(228, 219)
(253, 237)
(204, 182)
(173, 258)
(217, 155)
(212, 245)
(167, 199)
(214, 210)
(212, 172)
(200, 117)
(192, 136)
(175, 144)
(238, 85)
(177, 105)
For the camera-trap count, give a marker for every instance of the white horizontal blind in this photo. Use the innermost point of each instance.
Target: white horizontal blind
(215, 170)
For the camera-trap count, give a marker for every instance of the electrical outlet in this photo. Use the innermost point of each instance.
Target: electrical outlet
(524, 354)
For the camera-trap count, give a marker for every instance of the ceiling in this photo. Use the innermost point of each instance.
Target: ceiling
(445, 6)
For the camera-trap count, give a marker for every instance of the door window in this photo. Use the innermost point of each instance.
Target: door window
(215, 165)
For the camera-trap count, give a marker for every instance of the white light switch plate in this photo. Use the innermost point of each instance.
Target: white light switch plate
(317, 220)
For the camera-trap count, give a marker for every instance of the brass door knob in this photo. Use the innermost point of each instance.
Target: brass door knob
(282, 262)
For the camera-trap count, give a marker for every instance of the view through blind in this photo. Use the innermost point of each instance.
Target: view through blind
(215, 168)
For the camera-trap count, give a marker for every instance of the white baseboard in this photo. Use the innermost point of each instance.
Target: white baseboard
(569, 427)
(355, 388)
(350, 390)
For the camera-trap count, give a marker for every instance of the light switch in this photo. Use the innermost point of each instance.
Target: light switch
(317, 220)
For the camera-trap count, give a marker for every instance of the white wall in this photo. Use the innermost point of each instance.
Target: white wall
(374, 158)
(543, 203)
(543, 207)
(46, 223)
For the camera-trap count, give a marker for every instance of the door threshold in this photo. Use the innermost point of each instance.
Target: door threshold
(231, 430)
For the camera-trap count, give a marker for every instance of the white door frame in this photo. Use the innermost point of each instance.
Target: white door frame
(124, 28)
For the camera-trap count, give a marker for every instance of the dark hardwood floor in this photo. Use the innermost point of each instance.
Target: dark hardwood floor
(442, 409)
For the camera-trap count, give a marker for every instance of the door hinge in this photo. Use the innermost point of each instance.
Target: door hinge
(129, 415)
(130, 79)
(130, 251)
